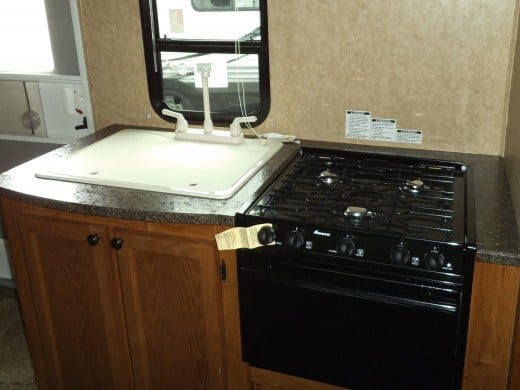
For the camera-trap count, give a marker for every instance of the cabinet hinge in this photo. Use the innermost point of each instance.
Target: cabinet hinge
(222, 270)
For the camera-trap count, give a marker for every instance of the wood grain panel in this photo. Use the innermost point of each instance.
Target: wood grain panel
(514, 373)
(172, 297)
(79, 313)
(269, 380)
(238, 371)
(490, 334)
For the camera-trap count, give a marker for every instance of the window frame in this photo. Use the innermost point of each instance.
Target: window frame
(154, 46)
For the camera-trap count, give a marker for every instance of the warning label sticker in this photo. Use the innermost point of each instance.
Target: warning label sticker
(358, 124)
(361, 125)
(383, 129)
(410, 136)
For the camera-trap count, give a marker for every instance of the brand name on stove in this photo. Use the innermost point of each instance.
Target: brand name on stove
(320, 233)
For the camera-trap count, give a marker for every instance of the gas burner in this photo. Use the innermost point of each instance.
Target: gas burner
(357, 212)
(359, 215)
(415, 186)
(328, 177)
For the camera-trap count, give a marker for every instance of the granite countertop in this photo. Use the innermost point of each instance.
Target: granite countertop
(496, 226)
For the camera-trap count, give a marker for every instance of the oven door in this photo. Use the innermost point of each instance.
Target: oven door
(362, 330)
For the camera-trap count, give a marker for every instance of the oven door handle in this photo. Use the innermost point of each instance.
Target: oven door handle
(385, 298)
(444, 306)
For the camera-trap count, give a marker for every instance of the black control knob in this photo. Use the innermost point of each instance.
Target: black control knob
(294, 239)
(434, 260)
(117, 243)
(399, 254)
(93, 239)
(346, 246)
(266, 235)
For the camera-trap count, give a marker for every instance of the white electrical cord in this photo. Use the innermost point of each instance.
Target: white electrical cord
(240, 87)
(242, 101)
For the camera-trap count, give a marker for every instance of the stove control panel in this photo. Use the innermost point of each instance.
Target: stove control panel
(362, 246)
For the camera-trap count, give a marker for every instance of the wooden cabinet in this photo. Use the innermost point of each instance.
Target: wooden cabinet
(173, 307)
(144, 311)
(514, 373)
(491, 327)
(79, 316)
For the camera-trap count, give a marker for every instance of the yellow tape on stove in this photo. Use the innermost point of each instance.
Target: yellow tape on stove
(240, 237)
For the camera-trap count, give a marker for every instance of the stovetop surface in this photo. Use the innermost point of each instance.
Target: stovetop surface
(391, 195)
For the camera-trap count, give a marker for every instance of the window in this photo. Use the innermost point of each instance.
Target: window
(26, 20)
(36, 37)
(42, 91)
(229, 35)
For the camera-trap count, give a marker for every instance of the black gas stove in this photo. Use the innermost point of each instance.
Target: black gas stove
(365, 273)
(409, 212)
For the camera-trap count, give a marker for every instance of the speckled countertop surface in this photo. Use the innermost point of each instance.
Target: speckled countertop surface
(496, 226)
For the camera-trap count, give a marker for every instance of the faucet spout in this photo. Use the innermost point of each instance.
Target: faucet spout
(205, 71)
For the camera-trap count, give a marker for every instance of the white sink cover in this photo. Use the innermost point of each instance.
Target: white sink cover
(156, 161)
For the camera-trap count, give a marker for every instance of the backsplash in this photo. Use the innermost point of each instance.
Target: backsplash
(512, 144)
(442, 67)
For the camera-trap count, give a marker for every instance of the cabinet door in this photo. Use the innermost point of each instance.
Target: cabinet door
(78, 305)
(173, 303)
(494, 303)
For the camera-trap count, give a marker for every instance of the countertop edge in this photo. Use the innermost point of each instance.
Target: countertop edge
(501, 258)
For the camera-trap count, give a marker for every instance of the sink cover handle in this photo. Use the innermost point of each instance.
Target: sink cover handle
(182, 124)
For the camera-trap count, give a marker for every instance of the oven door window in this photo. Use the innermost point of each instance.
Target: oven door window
(346, 331)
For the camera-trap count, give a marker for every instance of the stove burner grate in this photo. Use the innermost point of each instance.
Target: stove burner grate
(405, 196)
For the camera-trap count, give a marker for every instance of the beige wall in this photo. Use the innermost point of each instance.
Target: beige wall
(442, 66)
(512, 148)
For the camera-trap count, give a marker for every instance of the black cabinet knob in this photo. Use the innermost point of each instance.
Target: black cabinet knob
(117, 242)
(93, 239)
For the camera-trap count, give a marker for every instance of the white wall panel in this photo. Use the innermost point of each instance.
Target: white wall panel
(16, 99)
